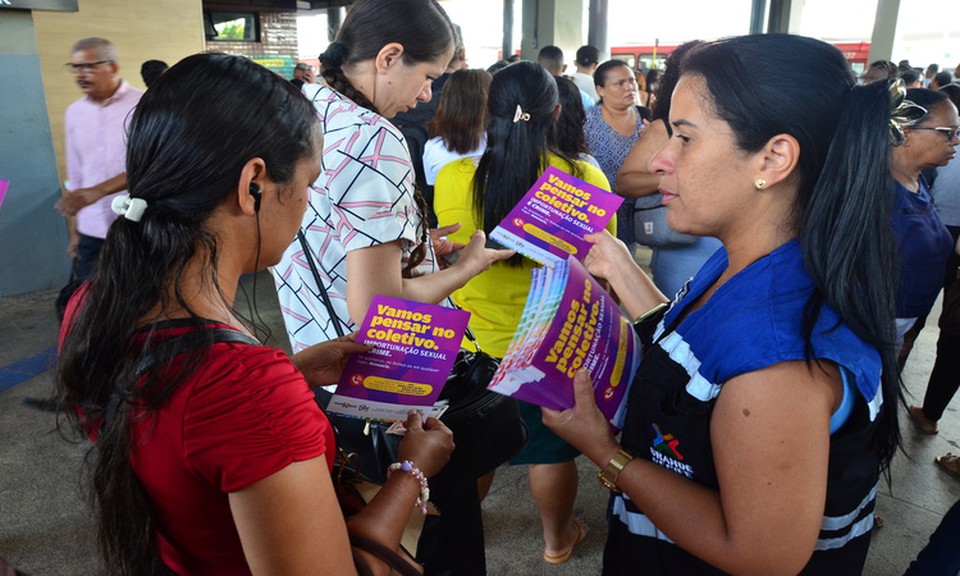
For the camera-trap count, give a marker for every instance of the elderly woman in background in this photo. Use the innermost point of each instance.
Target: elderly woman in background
(923, 242)
(612, 127)
(672, 265)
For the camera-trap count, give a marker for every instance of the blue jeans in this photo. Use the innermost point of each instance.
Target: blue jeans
(88, 252)
(941, 557)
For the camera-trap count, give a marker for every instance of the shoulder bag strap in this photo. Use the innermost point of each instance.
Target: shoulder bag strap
(308, 254)
(153, 356)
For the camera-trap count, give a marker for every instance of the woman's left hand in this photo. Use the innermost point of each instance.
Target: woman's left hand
(323, 363)
(443, 246)
(583, 426)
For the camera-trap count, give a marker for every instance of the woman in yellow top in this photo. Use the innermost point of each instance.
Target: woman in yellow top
(523, 106)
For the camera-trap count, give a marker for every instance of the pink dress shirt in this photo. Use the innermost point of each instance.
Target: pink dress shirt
(96, 135)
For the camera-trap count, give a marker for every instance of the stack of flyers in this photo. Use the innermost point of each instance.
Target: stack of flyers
(550, 221)
(415, 346)
(569, 323)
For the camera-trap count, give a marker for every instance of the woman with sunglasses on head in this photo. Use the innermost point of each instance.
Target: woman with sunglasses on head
(211, 455)
(765, 407)
(923, 242)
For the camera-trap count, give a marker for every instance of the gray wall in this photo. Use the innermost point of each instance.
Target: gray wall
(33, 234)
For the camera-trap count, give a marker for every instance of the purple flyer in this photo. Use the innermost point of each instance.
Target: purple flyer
(584, 329)
(415, 344)
(3, 190)
(550, 221)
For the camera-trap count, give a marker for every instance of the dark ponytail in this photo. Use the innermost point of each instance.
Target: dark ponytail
(420, 26)
(517, 150)
(190, 136)
(848, 245)
(425, 32)
(804, 87)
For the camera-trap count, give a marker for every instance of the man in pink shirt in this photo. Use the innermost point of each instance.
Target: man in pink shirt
(96, 141)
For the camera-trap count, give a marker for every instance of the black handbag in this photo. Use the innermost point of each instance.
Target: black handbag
(63, 297)
(487, 428)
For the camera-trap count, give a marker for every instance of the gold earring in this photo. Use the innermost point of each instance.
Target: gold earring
(760, 183)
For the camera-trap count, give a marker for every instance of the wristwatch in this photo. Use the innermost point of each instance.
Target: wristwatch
(608, 476)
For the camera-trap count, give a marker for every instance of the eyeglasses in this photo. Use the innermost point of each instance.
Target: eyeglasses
(86, 67)
(951, 132)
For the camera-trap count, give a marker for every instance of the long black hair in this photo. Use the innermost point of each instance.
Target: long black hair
(804, 87)
(517, 147)
(667, 82)
(567, 134)
(189, 138)
(422, 27)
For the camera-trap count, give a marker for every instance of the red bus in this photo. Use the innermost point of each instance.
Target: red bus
(653, 56)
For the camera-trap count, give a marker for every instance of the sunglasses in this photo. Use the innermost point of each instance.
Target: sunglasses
(951, 132)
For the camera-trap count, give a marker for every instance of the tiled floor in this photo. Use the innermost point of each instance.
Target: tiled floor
(46, 530)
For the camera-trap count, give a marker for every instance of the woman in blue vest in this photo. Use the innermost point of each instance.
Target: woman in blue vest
(765, 407)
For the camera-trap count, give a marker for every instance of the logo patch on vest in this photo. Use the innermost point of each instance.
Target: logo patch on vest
(664, 452)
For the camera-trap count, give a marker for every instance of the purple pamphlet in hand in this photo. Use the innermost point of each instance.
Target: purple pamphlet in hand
(415, 344)
(570, 323)
(550, 221)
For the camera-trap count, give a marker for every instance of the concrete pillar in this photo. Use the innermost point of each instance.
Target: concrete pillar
(334, 19)
(32, 233)
(507, 48)
(784, 16)
(758, 10)
(598, 15)
(556, 22)
(884, 30)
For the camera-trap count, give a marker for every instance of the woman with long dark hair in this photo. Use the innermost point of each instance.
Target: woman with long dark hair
(366, 225)
(211, 454)
(765, 408)
(522, 108)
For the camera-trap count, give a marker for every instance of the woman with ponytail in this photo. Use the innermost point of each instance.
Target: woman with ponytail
(765, 408)
(211, 455)
(365, 224)
(522, 109)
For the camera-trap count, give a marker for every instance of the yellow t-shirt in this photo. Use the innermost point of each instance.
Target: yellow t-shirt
(495, 298)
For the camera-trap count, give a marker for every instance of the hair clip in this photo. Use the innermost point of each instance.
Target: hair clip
(903, 113)
(130, 208)
(520, 115)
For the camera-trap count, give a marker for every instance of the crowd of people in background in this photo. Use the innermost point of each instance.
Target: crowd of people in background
(784, 190)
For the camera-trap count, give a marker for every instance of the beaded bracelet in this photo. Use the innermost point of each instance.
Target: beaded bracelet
(408, 466)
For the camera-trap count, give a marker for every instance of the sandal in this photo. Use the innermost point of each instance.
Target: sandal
(923, 424)
(949, 463)
(564, 556)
